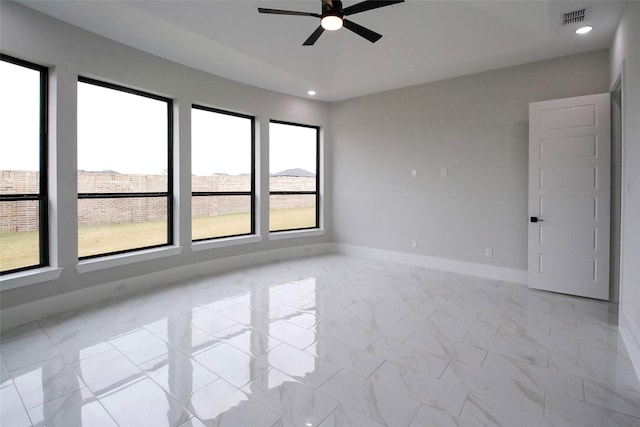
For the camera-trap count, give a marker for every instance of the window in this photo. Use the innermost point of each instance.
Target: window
(222, 174)
(125, 174)
(293, 176)
(24, 201)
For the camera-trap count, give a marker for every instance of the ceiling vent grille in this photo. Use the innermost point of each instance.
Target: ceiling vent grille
(574, 17)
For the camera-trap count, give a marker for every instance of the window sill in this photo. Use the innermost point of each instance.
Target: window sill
(95, 264)
(29, 277)
(279, 235)
(221, 243)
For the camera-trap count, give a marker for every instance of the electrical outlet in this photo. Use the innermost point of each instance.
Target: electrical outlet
(443, 172)
(414, 173)
(488, 253)
(414, 244)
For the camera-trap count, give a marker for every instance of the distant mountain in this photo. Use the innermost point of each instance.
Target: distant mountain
(106, 171)
(294, 172)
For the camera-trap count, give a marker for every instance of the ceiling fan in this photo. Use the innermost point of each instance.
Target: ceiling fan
(333, 17)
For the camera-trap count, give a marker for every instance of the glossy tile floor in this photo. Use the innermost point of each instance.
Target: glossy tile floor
(324, 341)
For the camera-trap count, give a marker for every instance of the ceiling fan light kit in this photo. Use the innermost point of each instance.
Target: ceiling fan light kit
(333, 17)
(331, 23)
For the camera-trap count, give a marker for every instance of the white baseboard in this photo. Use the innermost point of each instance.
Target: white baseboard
(35, 310)
(454, 266)
(632, 345)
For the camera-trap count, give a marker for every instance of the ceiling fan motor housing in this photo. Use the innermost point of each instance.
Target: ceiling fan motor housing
(332, 8)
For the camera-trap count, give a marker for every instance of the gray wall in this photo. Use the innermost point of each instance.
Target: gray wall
(69, 52)
(477, 128)
(625, 59)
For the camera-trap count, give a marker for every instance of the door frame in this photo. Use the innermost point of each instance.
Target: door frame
(616, 296)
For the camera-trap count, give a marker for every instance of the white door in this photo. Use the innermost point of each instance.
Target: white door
(569, 195)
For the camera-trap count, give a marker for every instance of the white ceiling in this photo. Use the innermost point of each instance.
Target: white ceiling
(422, 40)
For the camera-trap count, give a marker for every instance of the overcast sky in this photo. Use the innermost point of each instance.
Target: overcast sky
(19, 116)
(127, 133)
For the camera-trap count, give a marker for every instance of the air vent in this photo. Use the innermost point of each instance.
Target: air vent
(574, 17)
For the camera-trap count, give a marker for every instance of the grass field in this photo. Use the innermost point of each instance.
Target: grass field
(21, 249)
(18, 250)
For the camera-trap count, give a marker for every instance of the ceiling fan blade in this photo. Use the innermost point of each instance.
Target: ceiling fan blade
(368, 5)
(372, 36)
(288, 12)
(314, 36)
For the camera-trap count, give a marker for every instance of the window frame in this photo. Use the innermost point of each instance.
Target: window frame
(286, 193)
(42, 197)
(169, 194)
(251, 193)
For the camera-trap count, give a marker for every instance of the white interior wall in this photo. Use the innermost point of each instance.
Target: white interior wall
(475, 127)
(625, 60)
(69, 52)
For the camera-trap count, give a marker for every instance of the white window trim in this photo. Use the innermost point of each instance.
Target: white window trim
(292, 234)
(117, 260)
(29, 277)
(224, 242)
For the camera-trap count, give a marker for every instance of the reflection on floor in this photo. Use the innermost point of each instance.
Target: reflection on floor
(324, 341)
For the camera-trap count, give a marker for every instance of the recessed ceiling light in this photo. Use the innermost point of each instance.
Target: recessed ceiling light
(311, 92)
(584, 30)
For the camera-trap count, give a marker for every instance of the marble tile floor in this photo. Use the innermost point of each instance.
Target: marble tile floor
(324, 341)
